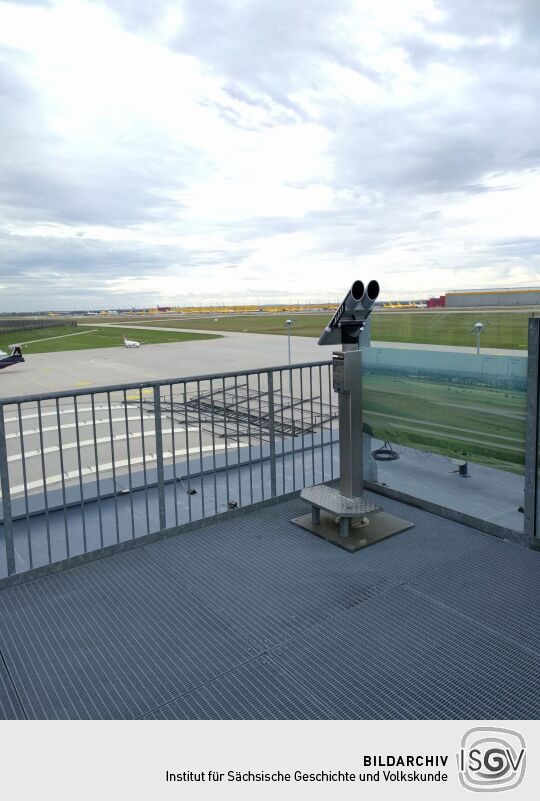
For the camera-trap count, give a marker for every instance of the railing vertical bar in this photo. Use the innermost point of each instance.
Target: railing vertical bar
(272, 431)
(159, 458)
(25, 485)
(293, 430)
(293, 434)
(6, 498)
(282, 403)
(531, 488)
(173, 440)
(261, 464)
(113, 465)
(249, 439)
(322, 425)
(302, 426)
(145, 471)
(212, 423)
(96, 459)
(200, 447)
(332, 443)
(187, 453)
(238, 458)
(130, 479)
(226, 444)
(45, 488)
(311, 404)
(62, 477)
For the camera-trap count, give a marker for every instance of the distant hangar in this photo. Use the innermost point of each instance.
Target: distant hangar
(517, 296)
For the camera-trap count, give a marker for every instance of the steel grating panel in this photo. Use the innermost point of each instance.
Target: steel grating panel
(112, 640)
(253, 617)
(257, 691)
(274, 582)
(433, 540)
(401, 656)
(503, 598)
(10, 708)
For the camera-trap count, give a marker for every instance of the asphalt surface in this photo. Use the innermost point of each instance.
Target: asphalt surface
(53, 372)
(75, 443)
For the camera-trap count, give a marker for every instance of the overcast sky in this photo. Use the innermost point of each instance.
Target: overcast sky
(260, 150)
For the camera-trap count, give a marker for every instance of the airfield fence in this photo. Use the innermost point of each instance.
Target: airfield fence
(92, 471)
(24, 324)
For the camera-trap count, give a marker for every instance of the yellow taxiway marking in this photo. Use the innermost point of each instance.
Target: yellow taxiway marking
(83, 383)
(136, 397)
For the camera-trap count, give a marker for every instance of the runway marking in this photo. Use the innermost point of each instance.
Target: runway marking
(97, 407)
(91, 470)
(60, 336)
(94, 441)
(101, 421)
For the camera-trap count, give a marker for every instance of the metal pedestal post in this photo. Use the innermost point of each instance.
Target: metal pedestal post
(347, 518)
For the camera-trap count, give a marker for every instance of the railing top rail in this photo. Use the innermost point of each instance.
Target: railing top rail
(70, 393)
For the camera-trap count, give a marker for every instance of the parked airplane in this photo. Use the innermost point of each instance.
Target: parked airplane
(131, 343)
(14, 358)
(404, 306)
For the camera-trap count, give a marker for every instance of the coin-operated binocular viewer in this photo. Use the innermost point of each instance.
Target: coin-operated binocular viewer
(342, 514)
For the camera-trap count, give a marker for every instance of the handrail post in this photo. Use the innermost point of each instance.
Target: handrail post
(531, 505)
(271, 427)
(159, 458)
(6, 498)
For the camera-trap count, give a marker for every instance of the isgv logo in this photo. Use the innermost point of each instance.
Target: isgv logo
(491, 759)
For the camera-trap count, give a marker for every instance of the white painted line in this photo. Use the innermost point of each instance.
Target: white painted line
(65, 426)
(98, 407)
(60, 336)
(103, 468)
(94, 441)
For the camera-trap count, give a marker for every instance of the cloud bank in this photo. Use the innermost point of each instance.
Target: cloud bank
(194, 152)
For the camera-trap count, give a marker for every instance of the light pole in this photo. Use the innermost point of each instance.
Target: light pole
(478, 328)
(288, 324)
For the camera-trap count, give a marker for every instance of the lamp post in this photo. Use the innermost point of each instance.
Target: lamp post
(478, 328)
(288, 324)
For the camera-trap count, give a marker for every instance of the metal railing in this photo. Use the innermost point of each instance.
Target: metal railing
(532, 456)
(92, 470)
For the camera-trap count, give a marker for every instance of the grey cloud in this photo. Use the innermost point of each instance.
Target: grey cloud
(271, 49)
(519, 247)
(489, 17)
(397, 160)
(112, 183)
(49, 185)
(92, 257)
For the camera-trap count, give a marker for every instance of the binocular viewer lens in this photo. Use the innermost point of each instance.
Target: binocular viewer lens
(351, 315)
(358, 290)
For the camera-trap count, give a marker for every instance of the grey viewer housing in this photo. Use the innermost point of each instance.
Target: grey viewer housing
(348, 321)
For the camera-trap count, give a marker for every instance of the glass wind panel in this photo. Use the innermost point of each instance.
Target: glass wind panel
(457, 423)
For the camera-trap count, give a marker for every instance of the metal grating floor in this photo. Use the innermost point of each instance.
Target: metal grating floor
(10, 708)
(253, 617)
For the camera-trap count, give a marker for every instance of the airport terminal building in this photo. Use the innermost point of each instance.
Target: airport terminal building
(515, 296)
